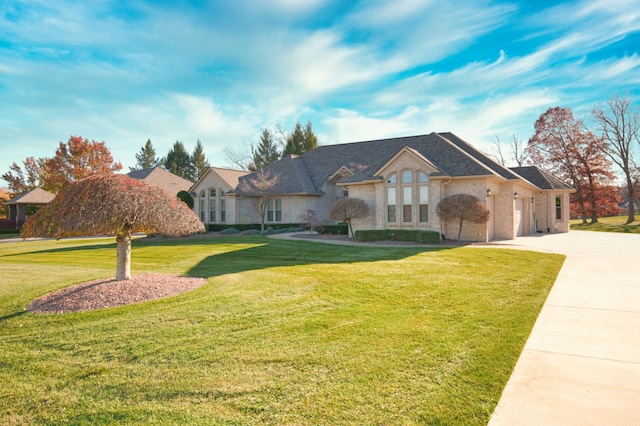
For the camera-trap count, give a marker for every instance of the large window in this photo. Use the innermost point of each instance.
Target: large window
(212, 205)
(223, 207)
(407, 195)
(203, 206)
(391, 204)
(274, 210)
(558, 208)
(410, 191)
(423, 195)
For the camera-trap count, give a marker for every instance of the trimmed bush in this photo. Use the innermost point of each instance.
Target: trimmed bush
(339, 228)
(227, 231)
(219, 227)
(416, 235)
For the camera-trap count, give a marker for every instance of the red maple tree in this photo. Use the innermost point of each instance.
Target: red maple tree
(113, 205)
(563, 146)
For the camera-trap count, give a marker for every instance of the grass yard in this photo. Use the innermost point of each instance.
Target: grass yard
(609, 224)
(285, 332)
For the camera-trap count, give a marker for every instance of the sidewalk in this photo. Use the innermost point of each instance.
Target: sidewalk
(581, 363)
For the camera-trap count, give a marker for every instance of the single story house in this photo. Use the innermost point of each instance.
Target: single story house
(159, 177)
(402, 180)
(18, 205)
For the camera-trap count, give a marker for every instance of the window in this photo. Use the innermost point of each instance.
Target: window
(406, 203)
(423, 197)
(223, 207)
(274, 210)
(407, 176)
(558, 208)
(392, 178)
(203, 206)
(212, 205)
(424, 203)
(391, 204)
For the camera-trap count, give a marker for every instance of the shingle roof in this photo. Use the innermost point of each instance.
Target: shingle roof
(540, 178)
(448, 153)
(162, 178)
(35, 196)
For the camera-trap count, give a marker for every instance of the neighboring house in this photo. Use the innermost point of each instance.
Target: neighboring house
(402, 180)
(161, 178)
(18, 205)
(210, 195)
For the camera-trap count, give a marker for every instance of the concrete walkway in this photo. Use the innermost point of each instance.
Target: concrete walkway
(581, 363)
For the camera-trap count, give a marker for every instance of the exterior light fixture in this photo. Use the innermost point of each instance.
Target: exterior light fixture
(489, 192)
(515, 195)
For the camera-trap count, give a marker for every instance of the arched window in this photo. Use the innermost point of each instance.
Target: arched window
(203, 206)
(223, 207)
(407, 195)
(212, 205)
(391, 198)
(423, 197)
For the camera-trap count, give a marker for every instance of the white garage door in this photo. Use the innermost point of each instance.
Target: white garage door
(518, 217)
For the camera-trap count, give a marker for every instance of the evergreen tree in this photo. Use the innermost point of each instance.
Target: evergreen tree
(310, 139)
(199, 161)
(295, 141)
(178, 161)
(146, 159)
(300, 140)
(265, 153)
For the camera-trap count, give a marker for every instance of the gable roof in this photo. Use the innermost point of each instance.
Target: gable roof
(450, 155)
(35, 196)
(540, 178)
(230, 176)
(159, 177)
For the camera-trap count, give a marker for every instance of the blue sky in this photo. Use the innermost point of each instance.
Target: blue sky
(219, 71)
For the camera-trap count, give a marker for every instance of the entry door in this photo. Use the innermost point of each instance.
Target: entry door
(491, 226)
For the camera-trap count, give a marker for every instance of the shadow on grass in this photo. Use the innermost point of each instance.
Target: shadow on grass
(268, 253)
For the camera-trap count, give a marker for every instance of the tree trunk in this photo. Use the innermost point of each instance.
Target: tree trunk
(631, 210)
(350, 230)
(460, 229)
(123, 264)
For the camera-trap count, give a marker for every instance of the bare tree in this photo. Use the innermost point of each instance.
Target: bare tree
(238, 157)
(346, 209)
(620, 126)
(497, 151)
(114, 205)
(259, 188)
(463, 207)
(517, 151)
(309, 220)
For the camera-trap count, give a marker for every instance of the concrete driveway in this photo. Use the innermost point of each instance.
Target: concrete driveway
(581, 363)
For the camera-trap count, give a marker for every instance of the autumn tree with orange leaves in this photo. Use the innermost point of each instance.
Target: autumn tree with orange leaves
(564, 147)
(76, 159)
(112, 205)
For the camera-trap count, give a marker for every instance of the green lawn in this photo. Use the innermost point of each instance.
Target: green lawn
(609, 224)
(285, 332)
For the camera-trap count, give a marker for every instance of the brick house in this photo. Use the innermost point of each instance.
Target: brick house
(402, 180)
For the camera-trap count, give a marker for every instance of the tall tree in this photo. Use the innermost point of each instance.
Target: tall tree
(199, 162)
(517, 152)
(146, 158)
(310, 140)
(178, 161)
(114, 205)
(300, 140)
(620, 126)
(19, 181)
(563, 146)
(259, 187)
(77, 159)
(265, 152)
